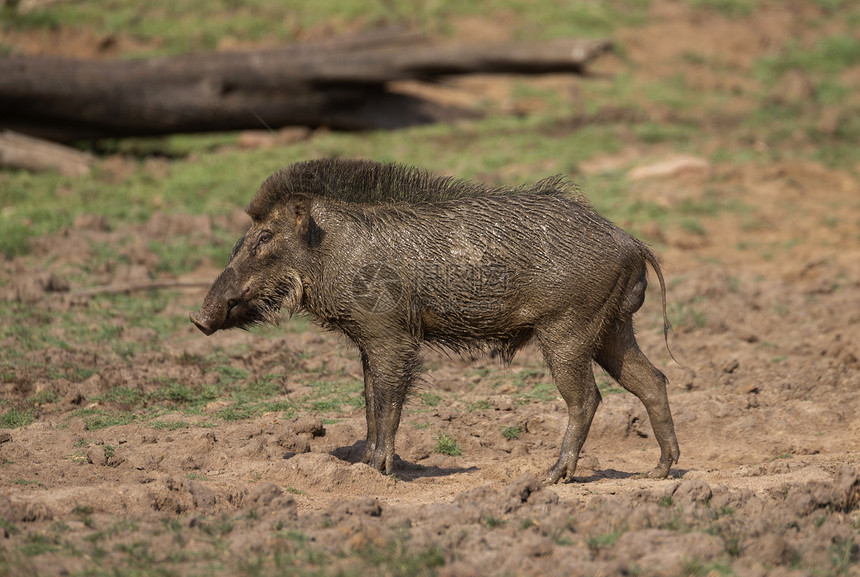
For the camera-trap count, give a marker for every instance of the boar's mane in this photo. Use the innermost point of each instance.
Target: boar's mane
(369, 182)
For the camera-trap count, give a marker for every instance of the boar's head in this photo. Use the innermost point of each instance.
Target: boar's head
(262, 275)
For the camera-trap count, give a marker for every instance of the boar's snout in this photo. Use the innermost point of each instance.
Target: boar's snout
(222, 298)
(201, 323)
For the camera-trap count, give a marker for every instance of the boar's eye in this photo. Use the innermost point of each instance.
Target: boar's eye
(264, 237)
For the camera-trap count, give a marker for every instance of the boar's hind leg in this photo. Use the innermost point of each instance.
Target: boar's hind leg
(388, 374)
(620, 355)
(571, 369)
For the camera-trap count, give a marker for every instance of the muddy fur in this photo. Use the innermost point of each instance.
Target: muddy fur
(394, 257)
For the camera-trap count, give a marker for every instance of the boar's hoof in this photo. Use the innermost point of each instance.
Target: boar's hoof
(379, 460)
(661, 471)
(561, 471)
(369, 450)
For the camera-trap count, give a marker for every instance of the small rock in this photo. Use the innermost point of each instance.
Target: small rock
(670, 167)
(731, 366)
(96, 456)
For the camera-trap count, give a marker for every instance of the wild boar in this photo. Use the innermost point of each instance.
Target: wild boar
(394, 257)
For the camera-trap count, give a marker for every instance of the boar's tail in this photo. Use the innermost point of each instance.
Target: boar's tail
(667, 326)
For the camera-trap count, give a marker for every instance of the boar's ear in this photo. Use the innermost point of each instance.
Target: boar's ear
(301, 212)
(306, 227)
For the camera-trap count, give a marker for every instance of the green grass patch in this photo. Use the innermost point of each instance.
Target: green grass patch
(28, 482)
(828, 56)
(782, 118)
(542, 391)
(482, 405)
(608, 386)
(687, 317)
(244, 398)
(96, 419)
(655, 133)
(165, 28)
(10, 527)
(696, 568)
(447, 445)
(13, 418)
(38, 544)
(844, 553)
(228, 375)
(15, 240)
(395, 558)
(122, 395)
(430, 399)
(236, 413)
(332, 396)
(167, 395)
(512, 433)
(492, 522)
(598, 541)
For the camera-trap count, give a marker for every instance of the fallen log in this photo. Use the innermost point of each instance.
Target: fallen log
(336, 84)
(22, 151)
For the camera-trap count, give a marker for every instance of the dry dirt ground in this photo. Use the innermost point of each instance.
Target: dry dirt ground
(766, 401)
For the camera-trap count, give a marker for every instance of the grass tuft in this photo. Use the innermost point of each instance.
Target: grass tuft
(13, 418)
(447, 445)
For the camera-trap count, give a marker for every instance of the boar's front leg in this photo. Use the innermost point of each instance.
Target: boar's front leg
(389, 370)
(370, 414)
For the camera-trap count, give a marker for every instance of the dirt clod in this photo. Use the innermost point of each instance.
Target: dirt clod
(307, 425)
(692, 491)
